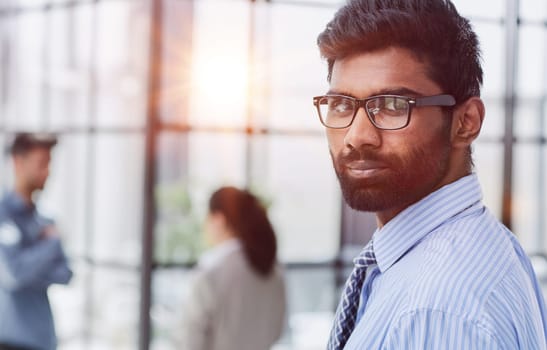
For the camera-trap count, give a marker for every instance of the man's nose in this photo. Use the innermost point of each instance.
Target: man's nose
(362, 132)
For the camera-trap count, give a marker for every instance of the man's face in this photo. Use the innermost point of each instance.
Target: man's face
(33, 167)
(384, 171)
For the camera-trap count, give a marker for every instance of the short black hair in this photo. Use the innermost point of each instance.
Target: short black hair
(432, 30)
(24, 142)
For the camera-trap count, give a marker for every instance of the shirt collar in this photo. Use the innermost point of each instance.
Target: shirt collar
(411, 225)
(218, 253)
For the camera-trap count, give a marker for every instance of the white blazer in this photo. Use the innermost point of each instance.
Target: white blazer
(231, 307)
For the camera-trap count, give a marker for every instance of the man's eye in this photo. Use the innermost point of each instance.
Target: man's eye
(339, 106)
(394, 104)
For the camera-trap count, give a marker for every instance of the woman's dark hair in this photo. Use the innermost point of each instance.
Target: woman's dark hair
(248, 219)
(432, 30)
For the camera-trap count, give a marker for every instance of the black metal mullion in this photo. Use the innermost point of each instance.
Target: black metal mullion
(250, 117)
(149, 207)
(511, 53)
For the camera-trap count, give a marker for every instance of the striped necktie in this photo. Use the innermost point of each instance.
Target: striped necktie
(346, 313)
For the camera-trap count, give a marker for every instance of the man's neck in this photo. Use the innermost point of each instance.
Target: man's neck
(24, 192)
(385, 216)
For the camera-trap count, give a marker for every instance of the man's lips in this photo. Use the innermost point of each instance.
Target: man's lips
(364, 168)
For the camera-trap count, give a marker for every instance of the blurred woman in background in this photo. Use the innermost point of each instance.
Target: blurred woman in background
(237, 298)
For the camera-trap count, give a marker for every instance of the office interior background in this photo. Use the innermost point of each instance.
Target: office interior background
(159, 102)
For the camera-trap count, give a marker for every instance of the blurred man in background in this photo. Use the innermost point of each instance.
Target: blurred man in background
(31, 254)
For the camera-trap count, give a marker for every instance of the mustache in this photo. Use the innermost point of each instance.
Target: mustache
(352, 155)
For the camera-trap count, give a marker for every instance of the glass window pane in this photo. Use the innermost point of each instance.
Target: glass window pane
(7, 24)
(115, 316)
(28, 4)
(68, 82)
(66, 194)
(493, 126)
(59, 41)
(531, 60)
(542, 196)
(82, 21)
(177, 33)
(312, 297)
(117, 197)
(5, 167)
(543, 125)
(488, 158)
(27, 65)
(535, 10)
(296, 173)
(484, 8)
(531, 87)
(491, 38)
(216, 159)
(528, 118)
(57, 80)
(297, 71)
(68, 305)
(220, 63)
(178, 227)
(526, 215)
(169, 288)
(173, 153)
(122, 62)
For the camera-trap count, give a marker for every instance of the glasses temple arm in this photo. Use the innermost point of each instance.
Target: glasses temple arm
(437, 100)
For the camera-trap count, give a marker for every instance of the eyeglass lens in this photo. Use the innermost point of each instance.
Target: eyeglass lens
(386, 112)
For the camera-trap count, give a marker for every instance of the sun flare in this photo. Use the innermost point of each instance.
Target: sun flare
(219, 88)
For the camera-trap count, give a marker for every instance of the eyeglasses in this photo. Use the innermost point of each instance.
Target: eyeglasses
(386, 112)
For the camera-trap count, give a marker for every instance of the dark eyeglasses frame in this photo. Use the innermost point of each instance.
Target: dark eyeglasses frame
(442, 100)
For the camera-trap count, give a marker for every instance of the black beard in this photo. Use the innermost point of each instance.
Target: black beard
(405, 182)
(362, 196)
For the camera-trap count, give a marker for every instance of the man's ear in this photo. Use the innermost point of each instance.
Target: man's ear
(467, 122)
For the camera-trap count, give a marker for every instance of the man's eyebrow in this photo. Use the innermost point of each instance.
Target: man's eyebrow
(398, 91)
(403, 91)
(340, 92)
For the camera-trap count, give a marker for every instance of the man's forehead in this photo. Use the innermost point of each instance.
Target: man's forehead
(380, 72)
(36, 152)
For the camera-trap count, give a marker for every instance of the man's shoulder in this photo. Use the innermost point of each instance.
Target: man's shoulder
(460, 270)
(9, 232)
(8, 205)
(496, 299)
(4, 207)
(10, 235)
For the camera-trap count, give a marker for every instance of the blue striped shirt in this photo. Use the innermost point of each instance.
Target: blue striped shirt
(449, 276)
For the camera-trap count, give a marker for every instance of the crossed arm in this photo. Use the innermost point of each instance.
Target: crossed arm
(37, 265)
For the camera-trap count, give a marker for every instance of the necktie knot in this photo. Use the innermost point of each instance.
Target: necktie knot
(366, 258)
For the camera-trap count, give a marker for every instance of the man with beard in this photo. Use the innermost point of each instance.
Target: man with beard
(403, 108)
(31, 254)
